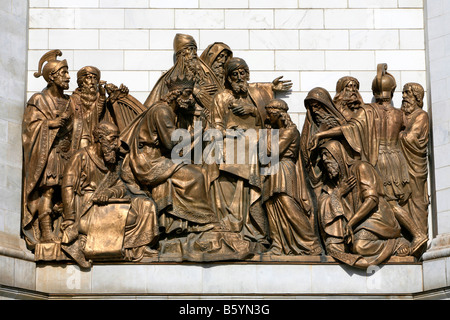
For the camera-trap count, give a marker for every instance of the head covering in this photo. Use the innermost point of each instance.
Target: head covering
(85, 71)
(213, 50)
(342, 83)
(383, 85)
(88, 69)
(180, 82)
(236, 63)
(52, 64)
(321, 95)
(337, 150)
(182, 41)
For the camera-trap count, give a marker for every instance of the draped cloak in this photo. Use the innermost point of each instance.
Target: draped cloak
(45, 151)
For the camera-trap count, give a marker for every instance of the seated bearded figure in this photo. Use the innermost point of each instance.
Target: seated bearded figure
(101, 220)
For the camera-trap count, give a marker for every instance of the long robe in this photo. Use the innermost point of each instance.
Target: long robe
(236, 189)
(377, 236)
(178, 189)
(287, 201)
(414, 144)
(45, 152)
(85, 175)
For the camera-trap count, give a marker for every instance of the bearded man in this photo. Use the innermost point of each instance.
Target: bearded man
(414, 143)
(347, 98)
(187, 64)
(238, 110)
(88, 104)
(374, 134)
(92, 191)
(178, 188)
(46, 136)
(358, 224)
(321, 115)
(216, 55)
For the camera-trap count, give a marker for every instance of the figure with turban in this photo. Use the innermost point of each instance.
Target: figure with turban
(46, 139)
(88, 104)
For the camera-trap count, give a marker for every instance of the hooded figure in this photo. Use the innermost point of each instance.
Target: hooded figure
(357, 223)
(216, 55)
(321, 115)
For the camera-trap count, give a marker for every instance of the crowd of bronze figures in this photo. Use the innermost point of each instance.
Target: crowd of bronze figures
(100, 182)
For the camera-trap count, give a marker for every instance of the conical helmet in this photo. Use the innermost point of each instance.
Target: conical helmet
(383, 85)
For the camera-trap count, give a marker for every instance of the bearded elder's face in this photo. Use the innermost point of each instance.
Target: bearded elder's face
(351, 96)
(61, 78)
(218, 65)
(409, 102)
(238, 80)
(330, 164)
(110, 145)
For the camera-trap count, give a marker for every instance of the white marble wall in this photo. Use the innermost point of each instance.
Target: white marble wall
(438, 13)
(16, 269)
(310, 42)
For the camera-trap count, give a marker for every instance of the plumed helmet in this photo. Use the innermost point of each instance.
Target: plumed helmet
(383, 85)
(52, 65)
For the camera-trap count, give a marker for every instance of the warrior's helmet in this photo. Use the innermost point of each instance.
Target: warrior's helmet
(383, 85)
(52, 65)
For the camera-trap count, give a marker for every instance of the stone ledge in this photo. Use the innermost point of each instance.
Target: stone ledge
(225, 278)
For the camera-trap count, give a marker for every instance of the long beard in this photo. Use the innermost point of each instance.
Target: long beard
(187, 104)
(191, 67)
(218, 70)
(408, 105)
(327, 119)
(110, 157)
(88, 96)
(332, 169)
(352, 100)
(240, 87)
(109, 154)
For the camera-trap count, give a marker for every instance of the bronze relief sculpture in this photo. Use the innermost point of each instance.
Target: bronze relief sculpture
(211, 168)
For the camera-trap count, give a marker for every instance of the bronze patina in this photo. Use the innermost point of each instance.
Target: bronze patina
(212, 168)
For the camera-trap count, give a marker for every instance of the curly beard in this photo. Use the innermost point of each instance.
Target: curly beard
(219, 70)
(109, 154)
(239, 86)
(352, 100)
(88, 95)
(408, 105)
